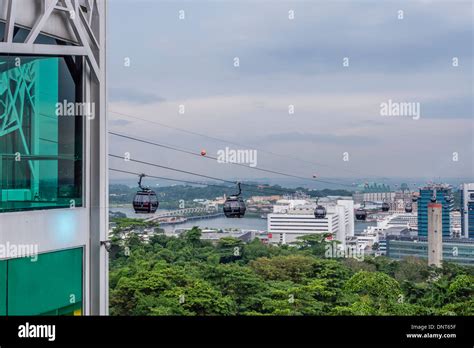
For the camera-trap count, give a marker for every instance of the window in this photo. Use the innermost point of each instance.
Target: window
(40, 147)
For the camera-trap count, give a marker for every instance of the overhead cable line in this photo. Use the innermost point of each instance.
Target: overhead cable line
(234, 143)
(174, 169)
(193, 182)
(169, 179)
(170, 147)
(273, 189)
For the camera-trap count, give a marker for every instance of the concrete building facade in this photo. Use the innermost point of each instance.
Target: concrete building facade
(435, 236)
(295, 218)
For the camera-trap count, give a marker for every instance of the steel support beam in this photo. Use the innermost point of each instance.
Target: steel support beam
(38, 49)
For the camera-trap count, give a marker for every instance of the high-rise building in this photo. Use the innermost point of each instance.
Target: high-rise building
(435, 238)
(456, 224)
(53, 158)
(467, 211)
(443, 197)
(295, 218)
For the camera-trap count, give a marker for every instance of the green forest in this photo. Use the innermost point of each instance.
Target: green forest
(186, 276)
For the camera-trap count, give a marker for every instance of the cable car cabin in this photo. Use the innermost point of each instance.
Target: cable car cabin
(408, 208)
(385, 206)
(320, 212)
(234, 207)
(361, 214)
(145, 202)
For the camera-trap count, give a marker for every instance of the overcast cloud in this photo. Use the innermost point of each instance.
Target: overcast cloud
(297, 62)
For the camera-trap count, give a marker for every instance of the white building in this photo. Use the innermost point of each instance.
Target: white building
(455, 224)
(294, 218)
(366, 242)
(390, 225)
(396, 220)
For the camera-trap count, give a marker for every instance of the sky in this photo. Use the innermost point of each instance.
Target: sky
(337, 128)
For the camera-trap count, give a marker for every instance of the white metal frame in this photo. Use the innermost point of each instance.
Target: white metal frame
(78, 15)
(83, 27)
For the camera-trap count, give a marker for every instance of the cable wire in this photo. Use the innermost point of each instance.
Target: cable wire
(233, 143)
(194, 182)
(175, 169)
(274, 189)
(170, 147)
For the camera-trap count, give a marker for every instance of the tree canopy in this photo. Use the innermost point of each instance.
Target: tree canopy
(188, 276)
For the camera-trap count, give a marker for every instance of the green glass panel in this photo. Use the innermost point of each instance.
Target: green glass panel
(3, 287)
(53, 282)
(40, 151)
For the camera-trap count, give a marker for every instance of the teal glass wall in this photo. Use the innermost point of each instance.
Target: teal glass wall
(467, 213)
(456, 251)
(470, 219)
(423, 201)
(40, 149)
(51, 284)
